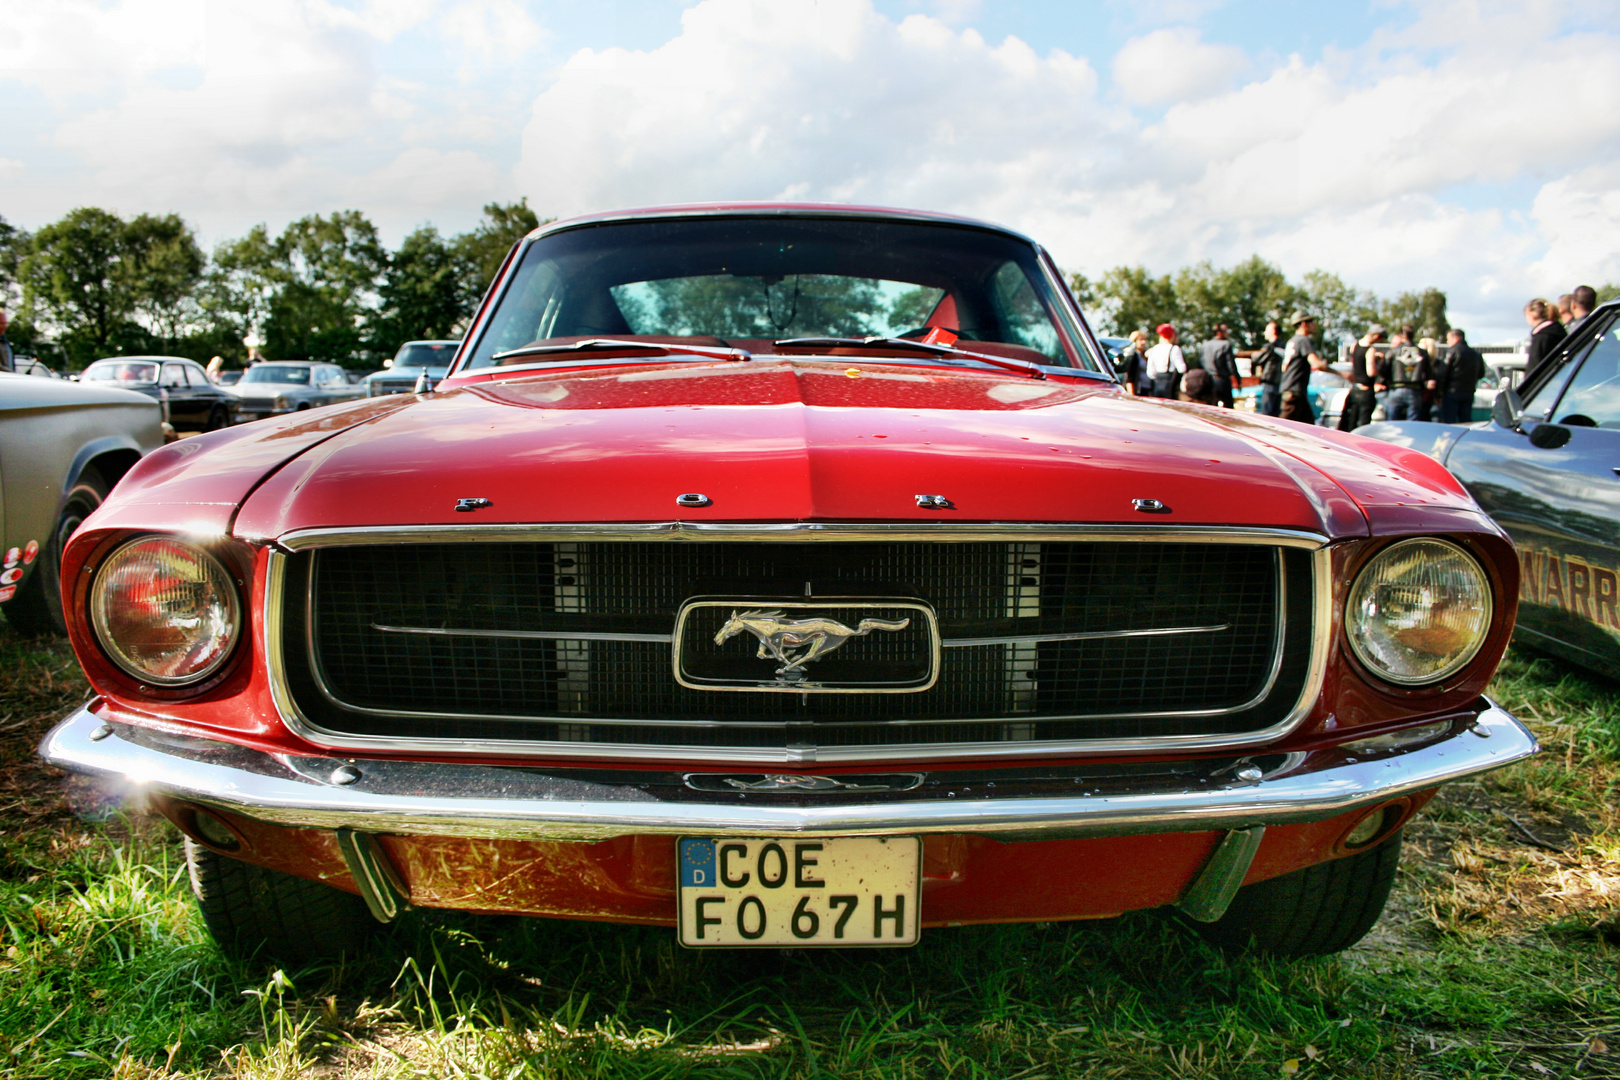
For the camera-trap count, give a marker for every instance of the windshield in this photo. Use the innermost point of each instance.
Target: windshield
(432, 354)
(267, 373)
(120, 371)
(747, 282)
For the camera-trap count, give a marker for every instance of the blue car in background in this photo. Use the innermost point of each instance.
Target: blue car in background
(1546, 466)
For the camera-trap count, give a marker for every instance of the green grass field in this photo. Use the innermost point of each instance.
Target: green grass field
(1499, 956)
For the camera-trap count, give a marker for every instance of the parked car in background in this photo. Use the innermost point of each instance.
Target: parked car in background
(788, 576)
(190, 401)
(1326, 392)
(63, 446)
(408, 365)
(274, 387)
(29, 365)
(228, 377)
(1544, 467)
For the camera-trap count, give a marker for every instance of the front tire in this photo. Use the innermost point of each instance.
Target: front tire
(37, 607)
(253, 912)
(1311, 912)
(218, 417)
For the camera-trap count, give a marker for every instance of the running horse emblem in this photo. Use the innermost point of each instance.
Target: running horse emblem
(779, 637)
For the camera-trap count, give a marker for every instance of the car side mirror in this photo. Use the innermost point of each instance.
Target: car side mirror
(1507, 409)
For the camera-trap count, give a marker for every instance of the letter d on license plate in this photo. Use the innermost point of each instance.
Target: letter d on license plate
(834, 891)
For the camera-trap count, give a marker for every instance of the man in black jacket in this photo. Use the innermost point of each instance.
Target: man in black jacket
(1464, 367)
(1217, 359)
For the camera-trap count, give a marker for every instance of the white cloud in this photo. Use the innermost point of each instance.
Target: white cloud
(818, 100)
(1174, 64)
(1474, 147)
(1358, 162)
(492, 30)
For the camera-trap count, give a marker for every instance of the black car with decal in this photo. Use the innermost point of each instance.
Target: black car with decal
(1546, 466)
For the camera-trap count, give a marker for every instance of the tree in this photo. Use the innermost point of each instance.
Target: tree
(1130, 298)
(482, 250)
(1343, 312)
(422, 294)
(164, 266)
(76, 276)
(234, 296)
(326, 272)
(1084, 290)
(1425, 311)
(1244, 298)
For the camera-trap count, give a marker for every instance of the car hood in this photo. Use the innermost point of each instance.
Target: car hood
(809, 441)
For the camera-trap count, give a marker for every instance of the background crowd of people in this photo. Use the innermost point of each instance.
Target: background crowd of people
(1406, 377)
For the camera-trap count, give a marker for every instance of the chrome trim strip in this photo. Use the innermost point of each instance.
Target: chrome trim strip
(1211, 892)
(302, 726)
(1095, 635)
(453, 799)
(947, 643)
(1036, 532)
(535, 635)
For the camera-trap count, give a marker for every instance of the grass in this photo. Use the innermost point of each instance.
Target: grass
(1499, 957)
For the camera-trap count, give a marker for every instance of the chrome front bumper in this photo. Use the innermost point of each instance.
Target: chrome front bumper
(451, 799)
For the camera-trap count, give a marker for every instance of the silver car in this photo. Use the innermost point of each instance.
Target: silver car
(63, 445)
(273, 387)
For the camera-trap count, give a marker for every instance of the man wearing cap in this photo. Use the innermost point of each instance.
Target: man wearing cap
(1299, 358)
(1216, 357)
(1166, 364)
(1366, 382)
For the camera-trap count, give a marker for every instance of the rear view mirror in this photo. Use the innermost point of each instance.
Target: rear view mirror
(1507, 409)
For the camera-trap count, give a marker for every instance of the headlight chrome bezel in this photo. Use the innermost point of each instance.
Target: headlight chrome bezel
(1355, 599)
(213, 575)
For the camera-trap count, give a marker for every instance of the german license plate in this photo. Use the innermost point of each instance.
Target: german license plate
(838, 891)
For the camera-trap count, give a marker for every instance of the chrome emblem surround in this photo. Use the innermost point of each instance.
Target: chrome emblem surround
(793, 642)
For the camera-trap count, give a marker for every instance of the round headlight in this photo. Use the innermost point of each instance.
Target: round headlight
(165, 611)
(1419, 611)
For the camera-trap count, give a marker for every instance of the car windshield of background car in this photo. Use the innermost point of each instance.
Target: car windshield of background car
(431, 356)
(746, 282)
(120, 371)
(1593, 396)
(298, 375)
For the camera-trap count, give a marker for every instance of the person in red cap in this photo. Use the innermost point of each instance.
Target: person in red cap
(1165, 363)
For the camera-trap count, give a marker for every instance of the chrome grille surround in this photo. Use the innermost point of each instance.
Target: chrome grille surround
(832, 533)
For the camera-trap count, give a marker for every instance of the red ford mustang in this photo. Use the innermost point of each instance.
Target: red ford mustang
(787, 576)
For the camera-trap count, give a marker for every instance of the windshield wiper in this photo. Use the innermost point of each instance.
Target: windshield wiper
(619, 345)
(937, 351)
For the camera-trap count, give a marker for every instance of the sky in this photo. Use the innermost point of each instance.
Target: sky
(1400, 144)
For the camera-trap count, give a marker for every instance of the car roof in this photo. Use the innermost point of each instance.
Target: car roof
(147, 359)
(769, 209)
(432, 341)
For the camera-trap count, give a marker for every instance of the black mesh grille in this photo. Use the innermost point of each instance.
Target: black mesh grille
(366, 667)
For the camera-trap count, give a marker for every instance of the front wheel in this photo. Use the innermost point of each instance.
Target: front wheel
(254, 912)
(1321, 909)
(37, 607)
(218, 417)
